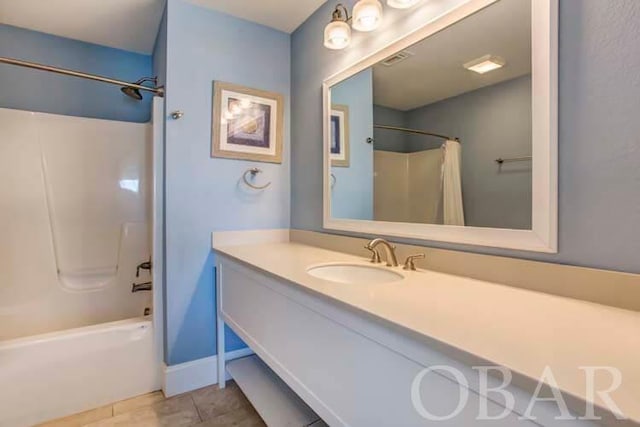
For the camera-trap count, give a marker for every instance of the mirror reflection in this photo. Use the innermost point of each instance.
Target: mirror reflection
(440, 133)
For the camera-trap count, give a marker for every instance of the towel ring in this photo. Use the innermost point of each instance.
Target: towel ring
(254, 172)
(333, 180)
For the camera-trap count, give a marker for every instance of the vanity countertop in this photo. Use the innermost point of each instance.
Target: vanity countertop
(519, 329)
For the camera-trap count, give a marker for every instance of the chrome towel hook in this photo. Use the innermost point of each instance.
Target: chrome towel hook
(254, 172)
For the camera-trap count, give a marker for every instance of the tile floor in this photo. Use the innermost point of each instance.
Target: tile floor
(207, 407)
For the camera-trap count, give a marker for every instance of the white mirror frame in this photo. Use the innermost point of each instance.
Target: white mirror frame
(543, 236)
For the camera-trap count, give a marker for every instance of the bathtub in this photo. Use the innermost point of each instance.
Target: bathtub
(52, 375)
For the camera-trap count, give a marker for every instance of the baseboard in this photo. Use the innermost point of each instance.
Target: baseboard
(196, 374)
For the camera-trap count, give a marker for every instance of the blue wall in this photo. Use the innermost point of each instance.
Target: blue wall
(33, 90)
(352, 194)
(205, 194)
(159, 59)
(599, 146)
(160, 70)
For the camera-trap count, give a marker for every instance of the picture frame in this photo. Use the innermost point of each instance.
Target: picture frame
(339, 145)
(247, 123)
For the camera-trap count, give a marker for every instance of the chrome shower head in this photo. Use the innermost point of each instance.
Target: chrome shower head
(135, 92)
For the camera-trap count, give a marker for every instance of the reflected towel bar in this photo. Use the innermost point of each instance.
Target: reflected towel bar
(500, 160)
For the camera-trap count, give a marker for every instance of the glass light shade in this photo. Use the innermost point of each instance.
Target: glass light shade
(367, 15)
(337, 35)
(401, 4)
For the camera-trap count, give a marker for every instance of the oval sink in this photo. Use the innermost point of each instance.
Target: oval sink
(354, 273)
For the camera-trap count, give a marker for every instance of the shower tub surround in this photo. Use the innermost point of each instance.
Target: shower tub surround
(75, 218)
(387, 333)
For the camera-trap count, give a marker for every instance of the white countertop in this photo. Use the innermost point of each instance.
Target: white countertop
(518, 329)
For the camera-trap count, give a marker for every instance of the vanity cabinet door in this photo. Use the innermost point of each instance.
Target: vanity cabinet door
(347, 378)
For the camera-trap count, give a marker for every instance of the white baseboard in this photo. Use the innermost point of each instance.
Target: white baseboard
(196, 374)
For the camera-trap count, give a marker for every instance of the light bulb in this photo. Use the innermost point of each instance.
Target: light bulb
(401, 4)
(337, 35)
(367, 15)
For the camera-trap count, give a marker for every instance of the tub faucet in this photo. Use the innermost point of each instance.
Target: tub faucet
(146, 286)
(390, 250)
(146, 265)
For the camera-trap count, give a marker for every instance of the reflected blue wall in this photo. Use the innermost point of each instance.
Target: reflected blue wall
(389, 140)
(352, 193)
(205, 194)
(491, 122)
(33, 90)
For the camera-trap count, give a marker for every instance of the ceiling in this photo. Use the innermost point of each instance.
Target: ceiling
(133, 24)
(283, 15)
(435, 71)
(124, 24)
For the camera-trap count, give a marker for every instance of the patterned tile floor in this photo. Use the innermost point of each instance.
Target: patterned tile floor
(207, 407)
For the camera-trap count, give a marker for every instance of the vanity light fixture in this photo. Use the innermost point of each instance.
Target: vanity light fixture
(401, 4)
(485, 64)
(337, 33)
(367, 15)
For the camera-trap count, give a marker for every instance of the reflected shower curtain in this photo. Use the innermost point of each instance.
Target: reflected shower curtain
(453, 210)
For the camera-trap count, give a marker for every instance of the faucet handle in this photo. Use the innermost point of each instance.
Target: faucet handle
(145, 265)
(375, 255)
(409, 264)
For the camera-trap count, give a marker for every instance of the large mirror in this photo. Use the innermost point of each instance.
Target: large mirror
(443, 137)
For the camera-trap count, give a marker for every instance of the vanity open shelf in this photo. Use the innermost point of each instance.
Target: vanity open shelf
(276, 403)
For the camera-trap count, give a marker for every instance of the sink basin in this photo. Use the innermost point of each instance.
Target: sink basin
(354, 273)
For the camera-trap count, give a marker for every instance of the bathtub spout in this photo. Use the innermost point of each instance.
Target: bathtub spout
(146, 286)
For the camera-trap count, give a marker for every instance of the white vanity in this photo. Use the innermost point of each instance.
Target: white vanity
(353, 346)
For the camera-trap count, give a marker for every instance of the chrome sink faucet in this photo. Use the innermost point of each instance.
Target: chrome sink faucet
(390, 250)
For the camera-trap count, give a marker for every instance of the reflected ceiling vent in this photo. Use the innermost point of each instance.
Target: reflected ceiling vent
(398, 57)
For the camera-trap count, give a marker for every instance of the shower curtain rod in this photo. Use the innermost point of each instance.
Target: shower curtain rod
(157, 90)
(416, 131)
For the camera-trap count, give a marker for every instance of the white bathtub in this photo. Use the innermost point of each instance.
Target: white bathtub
(57, 374)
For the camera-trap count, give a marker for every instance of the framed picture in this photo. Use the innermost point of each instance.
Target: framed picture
(340, 135)
(247, 123)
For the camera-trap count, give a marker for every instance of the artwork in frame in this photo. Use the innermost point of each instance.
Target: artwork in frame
(339, 135)
(247, 123)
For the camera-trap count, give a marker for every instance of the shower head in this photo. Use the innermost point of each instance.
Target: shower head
(135, 92)
(132, 92)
